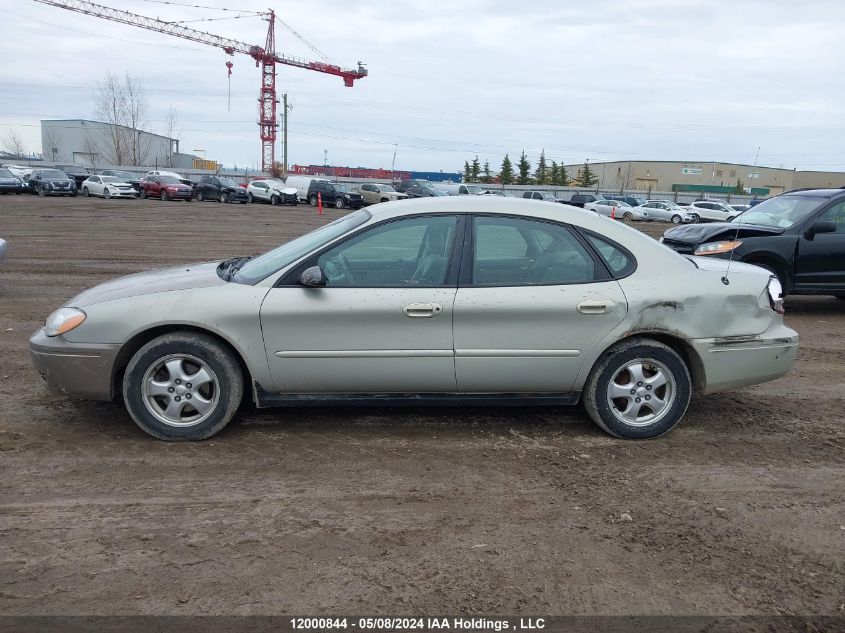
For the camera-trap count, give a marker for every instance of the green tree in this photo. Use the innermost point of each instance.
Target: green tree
(586, 177)
(554, 174)
(475, 169)
(740, 188)
(524, 168)
(562, 176)
(506, 172)
(542, 173)
(467, 171)
(486, 176)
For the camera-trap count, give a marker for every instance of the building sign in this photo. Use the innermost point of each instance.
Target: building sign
(691, 171)
(201, 163)
(754, 174)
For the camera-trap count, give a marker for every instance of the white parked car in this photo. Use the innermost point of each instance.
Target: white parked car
(375, 193)
(712, 211)
(617, 209)
(460, 189)
(272, 191)
(108, 187)
(667, 211)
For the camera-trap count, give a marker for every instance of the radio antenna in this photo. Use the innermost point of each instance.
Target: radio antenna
(725, 279)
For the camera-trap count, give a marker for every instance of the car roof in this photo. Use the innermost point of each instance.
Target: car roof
(818, 193)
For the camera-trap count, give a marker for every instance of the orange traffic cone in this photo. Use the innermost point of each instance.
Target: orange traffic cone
(319, 203)
(612, 213)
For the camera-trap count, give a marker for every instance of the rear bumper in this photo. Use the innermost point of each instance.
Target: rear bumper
(734, 363)
(74, 369)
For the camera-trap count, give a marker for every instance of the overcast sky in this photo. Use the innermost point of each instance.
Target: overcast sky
(693, 80)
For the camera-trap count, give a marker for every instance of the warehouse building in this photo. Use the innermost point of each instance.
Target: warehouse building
(97, 145)
(704, 177)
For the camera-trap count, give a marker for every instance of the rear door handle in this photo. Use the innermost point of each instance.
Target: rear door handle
(422, 310)
(602, 306)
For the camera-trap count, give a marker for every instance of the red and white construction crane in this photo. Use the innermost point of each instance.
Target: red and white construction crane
(264, 56)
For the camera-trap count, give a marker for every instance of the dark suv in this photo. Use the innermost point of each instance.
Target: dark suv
(51, 182)
(336, 194)
(79, 174)
(580, 199)
(798, 236)
(220, 189)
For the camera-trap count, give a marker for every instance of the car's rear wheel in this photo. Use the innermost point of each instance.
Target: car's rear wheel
(183, 386)
(676, 219)
(639, 389)
(312, 201)
(41, 192)
(224, 197)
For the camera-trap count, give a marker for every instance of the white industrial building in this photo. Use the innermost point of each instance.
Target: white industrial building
(97, 145)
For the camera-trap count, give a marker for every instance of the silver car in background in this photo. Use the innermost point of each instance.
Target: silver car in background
(618, 210)
(667, 211)
(455, 299)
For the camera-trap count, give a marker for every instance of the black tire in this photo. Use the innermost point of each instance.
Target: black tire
(164, 197)
(85, 192)
(73, 194)
(295, 202)
(312, 201)
(695, 218)
(676, 219)
(200, 346)
(249, 198)
(627, 216)
(199, 196)
(224, 197)
(106, 193)
(339, 203)
(599, 406)
(143, 194)
(274, 199)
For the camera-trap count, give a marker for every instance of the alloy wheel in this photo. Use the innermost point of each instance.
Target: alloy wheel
(180, 390)
(641, 392)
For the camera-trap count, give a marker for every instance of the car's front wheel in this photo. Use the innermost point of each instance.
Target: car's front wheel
(312, 201)
(143, 193)
(164, 195)
(199, 196)
(183, 386)
(628, 216)
(639, 389)
(339, 203)
(224, 197)
(676, 219)
(250, 198)
(274, 199)
(85, 192)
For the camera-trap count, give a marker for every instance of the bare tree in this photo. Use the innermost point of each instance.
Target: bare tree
(122, 106)
(92, 150)
(172, 131)
(13, 144)
(49, 143)
(623, 177)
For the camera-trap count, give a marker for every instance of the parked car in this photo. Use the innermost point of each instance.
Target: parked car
(740, 207)
(423, 191)
(404, 185)
(271, 191)
(633, 201)
(618, 210)
(551, 305)
(798, 236)
(79, 174)
(539, 195)
(126, 176)
(460, 189)
(107, 187)
(221, 189)
(9, 183)
(166, 188)
(335, 194)
(667, 211)
(52, 182)
(2, 249)
(302, 184)
(373, 194)
(179, 177)
(712, 211)
(21, 172)
(580, 199)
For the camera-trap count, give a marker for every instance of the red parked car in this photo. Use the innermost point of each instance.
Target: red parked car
(166, 188)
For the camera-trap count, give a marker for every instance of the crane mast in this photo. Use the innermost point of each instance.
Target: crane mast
(265, 57)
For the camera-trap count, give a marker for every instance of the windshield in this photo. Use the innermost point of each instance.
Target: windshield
(5, 173)
(436, 192)
(169, 180)
(54, 173)
(257, 269)
(340, 187)
(273, 183)
(111, 179)
(125, 174)
(386, 188)
(781, 212)
(227, 182)
(473, 189)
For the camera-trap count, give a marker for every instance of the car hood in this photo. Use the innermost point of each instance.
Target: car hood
(162, 280)
(700, 233)
(9, 179)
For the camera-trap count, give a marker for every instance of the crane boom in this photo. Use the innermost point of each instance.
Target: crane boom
(265, 56)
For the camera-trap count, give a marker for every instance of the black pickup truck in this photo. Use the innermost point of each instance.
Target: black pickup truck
(798, 236)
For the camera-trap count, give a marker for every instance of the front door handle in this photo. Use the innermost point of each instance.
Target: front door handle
(602, 306)
(422, 310)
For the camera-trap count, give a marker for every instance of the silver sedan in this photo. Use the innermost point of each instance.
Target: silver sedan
(454, 299)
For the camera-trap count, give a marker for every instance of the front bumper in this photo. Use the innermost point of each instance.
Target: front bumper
(74, 369)
(734, 362)
(180, 194)
(124, 193)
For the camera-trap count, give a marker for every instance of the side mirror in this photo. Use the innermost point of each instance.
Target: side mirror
(819, 227)
(312, 277)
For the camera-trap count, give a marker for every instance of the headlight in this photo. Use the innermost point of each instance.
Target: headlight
(63, 320)
(714, 248)
(776, 294)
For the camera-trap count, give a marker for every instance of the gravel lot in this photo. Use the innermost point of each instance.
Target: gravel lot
(740, 510)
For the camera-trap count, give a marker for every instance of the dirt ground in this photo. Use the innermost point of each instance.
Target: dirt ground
(740, 510)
